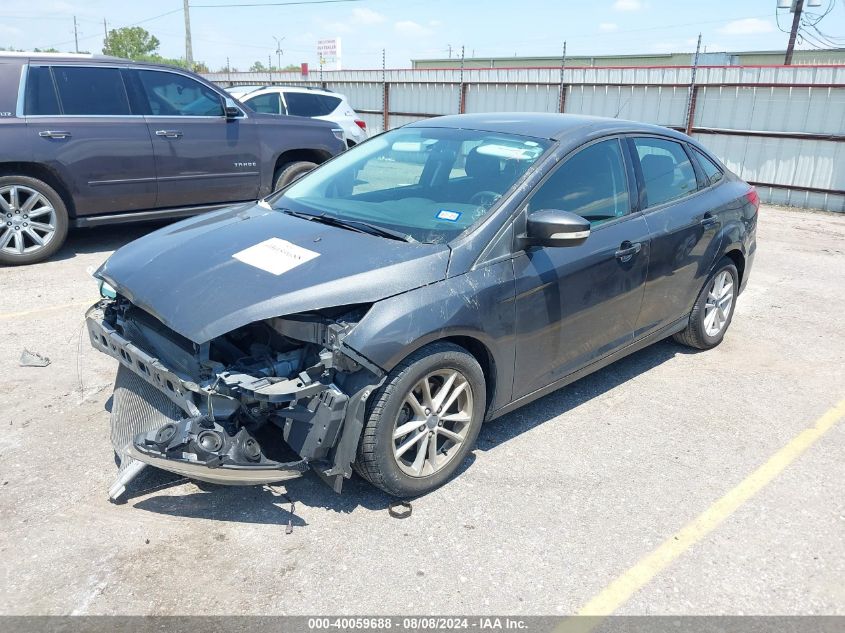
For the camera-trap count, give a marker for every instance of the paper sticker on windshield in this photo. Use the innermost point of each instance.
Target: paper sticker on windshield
(449, 216)
(275, 255)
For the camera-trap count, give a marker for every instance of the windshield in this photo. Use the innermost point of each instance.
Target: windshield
(428, 183)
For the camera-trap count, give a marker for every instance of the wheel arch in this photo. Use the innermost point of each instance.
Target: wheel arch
(736, 256)
(295, 155)
(43, 173)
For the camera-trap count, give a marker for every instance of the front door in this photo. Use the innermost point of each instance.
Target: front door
(83, 128)
(683, 231)
(576, 304)
(201, 156)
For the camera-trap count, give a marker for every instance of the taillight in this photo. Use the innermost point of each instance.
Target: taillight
(361, 124)
(753, 197)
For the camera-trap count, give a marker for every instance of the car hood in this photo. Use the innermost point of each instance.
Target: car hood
(211, 274)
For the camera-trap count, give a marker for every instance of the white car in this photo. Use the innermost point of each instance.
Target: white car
(310, 102)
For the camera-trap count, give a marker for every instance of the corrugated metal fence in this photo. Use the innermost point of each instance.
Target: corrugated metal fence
(781, 128)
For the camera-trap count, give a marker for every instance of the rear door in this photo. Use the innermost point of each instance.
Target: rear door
(682, 227)
(201, 156)
(82, 127)
(576, 304)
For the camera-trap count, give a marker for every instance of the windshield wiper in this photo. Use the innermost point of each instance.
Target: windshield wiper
(354, 225)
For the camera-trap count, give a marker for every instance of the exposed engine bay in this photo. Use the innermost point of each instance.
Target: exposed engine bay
(259, 404)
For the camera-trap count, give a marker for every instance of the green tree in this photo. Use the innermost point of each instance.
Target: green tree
(131, 42)
(258, 67)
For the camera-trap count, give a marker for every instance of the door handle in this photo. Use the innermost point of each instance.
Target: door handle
(169, 133)
(54, 134)
(708, 220)
(628, 250)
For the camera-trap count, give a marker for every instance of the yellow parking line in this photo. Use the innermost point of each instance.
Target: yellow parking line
(27, 313)
(620, 590)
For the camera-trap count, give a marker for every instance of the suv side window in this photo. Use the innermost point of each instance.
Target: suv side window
(85, 90)
(269, 103)
(40, 92)
(592, 183)
(172, 94)
(710, 169)
(666, 168)
(305, 104)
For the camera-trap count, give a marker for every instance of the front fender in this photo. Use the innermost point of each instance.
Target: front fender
(477, 304)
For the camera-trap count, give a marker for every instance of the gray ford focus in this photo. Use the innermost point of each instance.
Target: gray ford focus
(373, 314)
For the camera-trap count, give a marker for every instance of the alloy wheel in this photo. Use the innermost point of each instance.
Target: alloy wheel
(720, 298)
(28, 220)
(432, 423)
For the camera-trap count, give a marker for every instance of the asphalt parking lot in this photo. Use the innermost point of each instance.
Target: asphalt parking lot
(559, 500)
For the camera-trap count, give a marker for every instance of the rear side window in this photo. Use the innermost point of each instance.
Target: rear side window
(91, 91)
(710, 169)
(592, 184)
(171, 94)
(269, 103)
(667, 171)
(306, 104)
(40, 92)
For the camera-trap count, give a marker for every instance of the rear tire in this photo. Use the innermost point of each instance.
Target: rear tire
(713, 310)
(286, 174)
(33, 220)
(403, 462)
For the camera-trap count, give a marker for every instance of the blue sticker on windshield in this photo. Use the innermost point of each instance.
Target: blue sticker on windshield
(449, 216)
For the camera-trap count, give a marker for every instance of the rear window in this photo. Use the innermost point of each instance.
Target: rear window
(710, 169)
(306, 104)
(91, 91)
(40, 92)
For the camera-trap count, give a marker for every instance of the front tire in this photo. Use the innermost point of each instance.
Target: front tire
(34, 220)
(286, 174)
(713, 310)
(423, 421)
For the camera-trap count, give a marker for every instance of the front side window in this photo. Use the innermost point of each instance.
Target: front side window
(711, 172)
(666, 168)
(41, 96)
(268, 103)
(171, 94)
(592, 184)
(429, 183)
(91, 91)
(310, 105)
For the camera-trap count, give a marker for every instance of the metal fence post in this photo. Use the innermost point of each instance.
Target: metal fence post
(693, 90)
(561, 98)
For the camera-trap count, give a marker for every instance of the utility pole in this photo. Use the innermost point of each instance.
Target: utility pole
(450, 50)
(279, 51)
(189, 48)
(796, 22)
(105, 32)
(561, 97)
(75, 34)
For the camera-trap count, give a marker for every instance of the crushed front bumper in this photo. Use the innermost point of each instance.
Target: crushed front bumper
(162, 419)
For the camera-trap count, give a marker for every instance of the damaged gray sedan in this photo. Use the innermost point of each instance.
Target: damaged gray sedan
(371, 315)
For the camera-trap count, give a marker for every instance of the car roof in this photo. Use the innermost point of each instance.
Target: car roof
(542, 125)
(86, 58)
(284, 88)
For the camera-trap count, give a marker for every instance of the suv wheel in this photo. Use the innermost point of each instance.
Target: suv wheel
(34, 220)
(286, 174)
(423, 421)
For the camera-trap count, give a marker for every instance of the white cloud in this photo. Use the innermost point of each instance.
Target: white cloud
(338, 27)
(748, 26)
(608, 27)
(411, 29)
(367, 16)
(435, 23)
(628, 5)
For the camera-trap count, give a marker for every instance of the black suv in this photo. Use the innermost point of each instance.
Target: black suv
(88, 140)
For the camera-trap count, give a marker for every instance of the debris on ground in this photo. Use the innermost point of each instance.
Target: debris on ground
(33, 359)
(400, 509)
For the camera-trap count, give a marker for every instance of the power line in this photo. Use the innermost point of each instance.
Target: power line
(269, 4)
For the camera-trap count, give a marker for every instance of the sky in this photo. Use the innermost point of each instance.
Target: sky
(409, 29)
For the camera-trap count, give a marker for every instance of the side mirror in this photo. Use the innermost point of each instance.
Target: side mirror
(552, 227)
(232, 111)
